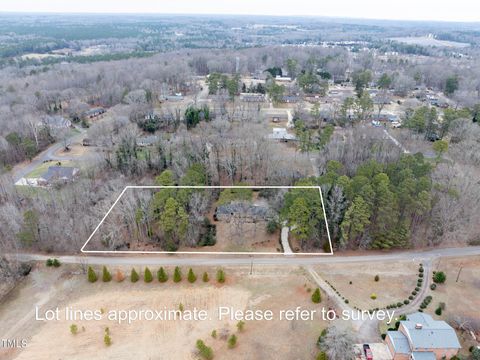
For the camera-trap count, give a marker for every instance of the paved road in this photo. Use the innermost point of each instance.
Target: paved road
(19, 172)
(239, 260)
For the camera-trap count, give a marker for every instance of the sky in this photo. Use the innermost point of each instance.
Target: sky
(439, 10)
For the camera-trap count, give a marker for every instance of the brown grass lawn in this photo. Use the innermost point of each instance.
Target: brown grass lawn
(268, 288)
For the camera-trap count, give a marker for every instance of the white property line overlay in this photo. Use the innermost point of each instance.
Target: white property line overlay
(205, 252)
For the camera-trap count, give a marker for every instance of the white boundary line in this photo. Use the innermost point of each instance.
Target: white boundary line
(206, 252)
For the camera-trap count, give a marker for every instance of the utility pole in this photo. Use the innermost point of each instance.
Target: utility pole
(251, 265)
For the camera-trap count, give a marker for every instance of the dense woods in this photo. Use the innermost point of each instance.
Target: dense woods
(176, 117)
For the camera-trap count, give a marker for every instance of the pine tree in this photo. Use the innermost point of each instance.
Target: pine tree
(232, 341)
(316, 296)
(106, 276)
(147, 276)
(357, 218)
(205, 277)
(134, 276)
(191, 276)
(162, 275)
(92, 275)
(205, 351)
(107, 340)
(177, 275)
(241, 325)
(220, 276)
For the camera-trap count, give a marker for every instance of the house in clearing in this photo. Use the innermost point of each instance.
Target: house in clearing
(249, 212)
(281, 134)
(275, 115)
(422, 338)
(57, 175)
(252, 97)
(94, 113)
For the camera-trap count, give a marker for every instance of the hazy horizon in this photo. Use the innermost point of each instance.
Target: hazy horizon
(408, 10)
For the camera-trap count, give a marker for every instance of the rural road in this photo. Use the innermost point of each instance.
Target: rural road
(19, 172)
(230, 260)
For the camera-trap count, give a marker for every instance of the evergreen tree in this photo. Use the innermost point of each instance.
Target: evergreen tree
(106, 276)
(232, 341)
(205, 351)
(147, 276)
(316, 296)
(162, 275)
(134, 276)
(357, 218)
(92, 275)
(220, 276)
(191, 276)
(177, 275)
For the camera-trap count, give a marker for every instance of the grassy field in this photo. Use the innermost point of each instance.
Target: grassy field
(356, 282)
(268, 288)
(41, 169)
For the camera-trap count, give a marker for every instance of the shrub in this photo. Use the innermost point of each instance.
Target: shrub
(107, 340)
(433, 286)
(147, 275)
(417, 289)
(241, 325)
(414, 293)
(220, 276)
(438, 311)
(134, 276)
(56, 263)
(92, 275)
(406, 302)
(205, 277)
(373, 296)
(204, 351)
(74, 329)
(106, 276)
(49, 262)
(162, 275)
(214, 334)
(420, 270)
(177, 275)
(321, 356)
(232, 341)
(119, 277)
(439, 277)
(420, 275)
(272, 226)
(346, 301)
(384, 336)
(377, 278)
(191, 276)
(181, 307)
(316, 296)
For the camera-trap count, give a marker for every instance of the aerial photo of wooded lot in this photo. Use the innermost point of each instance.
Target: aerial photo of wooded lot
(339, 159)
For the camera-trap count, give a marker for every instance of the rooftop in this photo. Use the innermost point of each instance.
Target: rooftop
(432, 334)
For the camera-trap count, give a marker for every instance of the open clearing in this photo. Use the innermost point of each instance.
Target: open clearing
(271, 288)
(461, 298)
(397, 280)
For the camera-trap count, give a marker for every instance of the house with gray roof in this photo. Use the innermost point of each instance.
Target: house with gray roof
(281, 134)
(419, 337)
(249, 212)
(57, 174)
